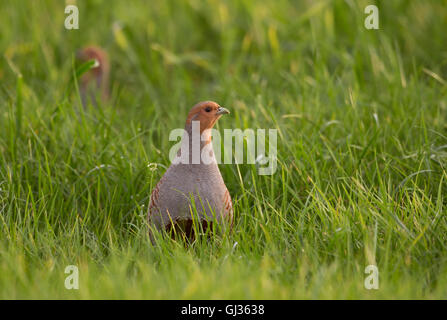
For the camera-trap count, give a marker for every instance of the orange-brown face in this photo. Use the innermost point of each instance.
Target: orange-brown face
(207, 113)
(90, 53)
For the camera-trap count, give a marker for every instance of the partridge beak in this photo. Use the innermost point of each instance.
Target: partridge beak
(222, 111)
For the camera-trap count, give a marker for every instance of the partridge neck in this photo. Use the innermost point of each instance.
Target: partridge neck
(196, 147)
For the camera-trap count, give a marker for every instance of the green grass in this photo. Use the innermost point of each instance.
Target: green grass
(362, 144)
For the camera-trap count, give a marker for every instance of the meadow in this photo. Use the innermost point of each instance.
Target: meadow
(362, 148)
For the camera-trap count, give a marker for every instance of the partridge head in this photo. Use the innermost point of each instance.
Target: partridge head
(96, 79)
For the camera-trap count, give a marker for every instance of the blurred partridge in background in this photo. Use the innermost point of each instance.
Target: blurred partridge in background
(171, 200)
(97, 79)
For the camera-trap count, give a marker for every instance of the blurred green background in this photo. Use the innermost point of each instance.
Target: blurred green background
(361, 147)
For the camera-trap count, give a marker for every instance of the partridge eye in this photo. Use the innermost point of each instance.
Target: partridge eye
(208, 109)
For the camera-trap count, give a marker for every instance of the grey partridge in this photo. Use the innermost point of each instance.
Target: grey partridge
(96, 79)
(193, 182)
